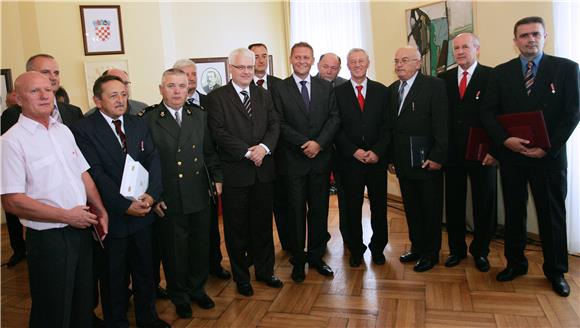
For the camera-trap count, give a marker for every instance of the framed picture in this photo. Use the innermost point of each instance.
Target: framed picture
(212, 73)
(102, 30)
(6, 87)
(95, 69)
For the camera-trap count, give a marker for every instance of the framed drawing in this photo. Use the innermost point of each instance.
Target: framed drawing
(212, 73)
(102, 30)
(6, 87)
(95, 69)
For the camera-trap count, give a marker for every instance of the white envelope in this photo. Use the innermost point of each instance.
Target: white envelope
(135, 179)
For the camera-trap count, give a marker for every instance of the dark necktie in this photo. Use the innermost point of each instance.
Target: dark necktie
(360, 98)
(247, 103)
(463, 85)
(121, 134)
(260, 83)
(305, 96)
(401, 95)
(529, 78)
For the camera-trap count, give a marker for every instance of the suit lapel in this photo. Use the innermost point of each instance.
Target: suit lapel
(542, 79)
(132, 134)
(64, 113)
(409, 99)
(189, 125)
(295, 93)
(106, 136)
(167, 122)
(236, 101)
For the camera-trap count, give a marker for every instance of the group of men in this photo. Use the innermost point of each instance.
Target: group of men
(268, 146)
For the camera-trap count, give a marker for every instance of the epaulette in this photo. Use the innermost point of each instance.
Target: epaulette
(146, 110)
(194, 106)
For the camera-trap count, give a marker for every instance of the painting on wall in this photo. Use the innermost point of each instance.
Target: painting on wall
(102, 30)
(95, 69)
(212, 73)
(5, 87)
(431, 28)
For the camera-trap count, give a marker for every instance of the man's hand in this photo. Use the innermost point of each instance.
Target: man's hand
(257, 154)
(146, 198)
(219, 187)
(360, 155)
(310, 148)
(517, 145)
(391, 169)
(102, 218)
(535, 152)
(160, 208)
(431, 166)
(139, 208)
(488, 160)
(79, 217)
(371, 157)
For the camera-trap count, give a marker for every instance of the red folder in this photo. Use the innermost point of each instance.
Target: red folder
(98, 232)
(478, 144)
(527, 125)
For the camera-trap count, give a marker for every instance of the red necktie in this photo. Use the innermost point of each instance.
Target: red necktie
(463, 85)
(361, 99)
(260, 82)
(121, 134)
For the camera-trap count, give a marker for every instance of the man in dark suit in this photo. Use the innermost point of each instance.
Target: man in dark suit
(63, 113)
(534, 81)
(106, 138)
(418, 108)
(134, 106)
(309, 120)
(198, 100)
(466, 88)
(245, 128)
(189, 165)
(361, 144)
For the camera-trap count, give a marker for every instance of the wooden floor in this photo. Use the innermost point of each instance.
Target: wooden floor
(368, 296)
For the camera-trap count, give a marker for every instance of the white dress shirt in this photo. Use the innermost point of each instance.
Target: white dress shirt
(407, 88)
(308, 84)
(363, 91)
(470, 71)
(112, 126)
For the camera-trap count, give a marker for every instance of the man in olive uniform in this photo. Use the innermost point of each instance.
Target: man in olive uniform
(189, 164)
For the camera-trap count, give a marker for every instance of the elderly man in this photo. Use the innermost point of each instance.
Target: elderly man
(534, 81)
(328, 69)
(245, 127)
(133, 106)
(418, 110)
(45, 182)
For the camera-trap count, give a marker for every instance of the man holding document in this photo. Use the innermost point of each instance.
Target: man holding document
(106, 139)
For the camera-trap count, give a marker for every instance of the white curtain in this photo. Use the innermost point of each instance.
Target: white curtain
(566, 31)
(332, 26)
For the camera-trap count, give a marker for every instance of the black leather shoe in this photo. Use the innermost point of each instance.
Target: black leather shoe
(161, 293)
(453, 260)
(298, 274)
(424, 264)
(205, 302)
(271, 281)
(355, 261)
(98, 322)
(379, 258)
(183, 310)
(156, 324)
(510, 273)
(16, 258)
(221, 273)
(481, 263)
(560, 286)
(245, 288)
(322, 268)
(409, 257)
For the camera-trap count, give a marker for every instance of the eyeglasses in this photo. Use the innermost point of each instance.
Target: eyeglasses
(405, 60)
(242, 67)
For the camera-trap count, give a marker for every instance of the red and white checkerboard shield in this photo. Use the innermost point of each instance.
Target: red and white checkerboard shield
(103, 32)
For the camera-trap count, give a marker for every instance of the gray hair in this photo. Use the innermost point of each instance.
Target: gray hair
(183, 63)
(353, 50)
(474, 38)
(241, 52)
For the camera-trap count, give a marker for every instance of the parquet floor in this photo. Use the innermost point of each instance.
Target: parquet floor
(368, 296)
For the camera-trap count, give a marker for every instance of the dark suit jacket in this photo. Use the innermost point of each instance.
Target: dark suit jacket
(506, 94)
(366, 130)
(299, 125)
(103, 152)
(424, 113)
(270, 81)
(69, 114)
(464, 113)
(235, 131)
(185, 153)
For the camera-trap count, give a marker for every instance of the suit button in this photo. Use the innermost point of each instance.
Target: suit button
(195, 159)
(179, 163)
(179, 150)
(196, 172)
(180, 175)
(193, 146)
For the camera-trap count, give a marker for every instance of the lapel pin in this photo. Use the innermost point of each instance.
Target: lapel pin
(413, 106)
(553, 87)
(162, 114)
(189, 111)
(142, 146)
(477, 94)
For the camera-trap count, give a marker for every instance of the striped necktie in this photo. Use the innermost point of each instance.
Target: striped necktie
(529, 78)
(246, 102)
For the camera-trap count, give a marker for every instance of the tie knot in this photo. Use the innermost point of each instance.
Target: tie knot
(359, 88)
(303, 83)
(117, 123)
(244, 93)
(530, 64)
(260, 82)
(403, 85)
(465, 73)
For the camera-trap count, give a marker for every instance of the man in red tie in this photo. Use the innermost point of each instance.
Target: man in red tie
(466, 88)
(361, 144)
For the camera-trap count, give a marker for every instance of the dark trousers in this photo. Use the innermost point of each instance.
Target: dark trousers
(308, 201)
(215, 252)
(423, 201)
(15, 232)
(342, 208)
(123, 256)
(484, 199)
(281, 211)
(60, 264)
(248, 229)
(186, 254)
(549, 191)
(374, 177)
(157, 250)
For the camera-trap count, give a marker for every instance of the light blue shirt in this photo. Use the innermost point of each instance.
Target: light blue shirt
(536, 61)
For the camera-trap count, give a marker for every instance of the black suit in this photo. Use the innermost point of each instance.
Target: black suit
(365, 129)
(307, 178)
(424, 113)
(464, 113)
(248, 189)
(555, 93)
(128, 245)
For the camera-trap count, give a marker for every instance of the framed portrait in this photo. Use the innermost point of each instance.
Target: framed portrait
(102, 30)
(95, 69)
(6, 87)
(212, 73)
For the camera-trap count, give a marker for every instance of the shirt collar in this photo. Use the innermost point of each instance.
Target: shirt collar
(31, 125)
(536, 60)
(364, 83)
(240, 89)
(110, 119)
(469, 70)
(172, 111)
(265, 78)
(411, 80)
(297, 79)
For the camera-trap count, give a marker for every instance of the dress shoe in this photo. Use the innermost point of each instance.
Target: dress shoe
(424, 264)
(205, 302)
(271, 281)
(409, 257)
(98, 322)
(322, 268)
(158, 323)
(183, 310)
(481, 263)
(560, 286)
(453, 260)
(510, 273)
(355, 261)
(16, 258)
(161, 293)
(379, 258)
(245, 288)
(221, 273)
(298, 274)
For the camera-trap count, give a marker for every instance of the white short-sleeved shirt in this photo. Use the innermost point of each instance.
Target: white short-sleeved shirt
(45, 165)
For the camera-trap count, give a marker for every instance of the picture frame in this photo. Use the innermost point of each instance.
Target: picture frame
(212, 73)
(102, 30)
(5, 87)
(270, 69)
(95, 69)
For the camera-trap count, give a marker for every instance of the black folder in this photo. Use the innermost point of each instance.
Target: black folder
(419, 146)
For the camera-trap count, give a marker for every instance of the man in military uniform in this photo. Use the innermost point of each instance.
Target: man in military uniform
(189, 164)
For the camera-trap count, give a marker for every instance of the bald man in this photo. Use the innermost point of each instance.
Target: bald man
(133, 106)
(418, 105)
(328, 69)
